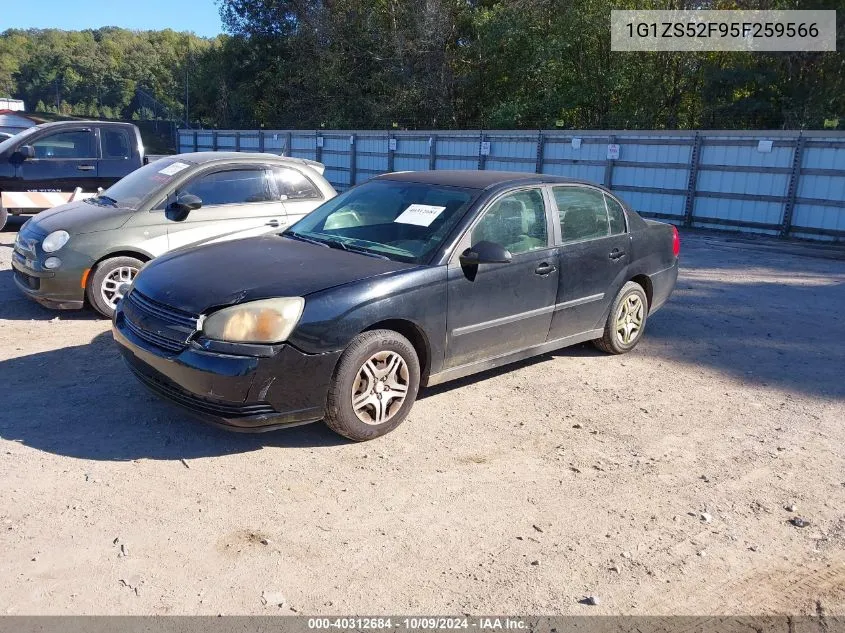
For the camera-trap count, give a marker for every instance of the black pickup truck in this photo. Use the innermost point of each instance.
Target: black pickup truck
(54, 163)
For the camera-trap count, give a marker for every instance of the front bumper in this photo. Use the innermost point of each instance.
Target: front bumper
(56, 289)
(240, 393)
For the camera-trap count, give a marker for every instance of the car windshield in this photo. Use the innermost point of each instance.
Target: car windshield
(403, 221)
(129, 192)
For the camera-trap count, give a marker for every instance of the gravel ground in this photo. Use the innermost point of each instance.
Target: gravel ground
(661, 482)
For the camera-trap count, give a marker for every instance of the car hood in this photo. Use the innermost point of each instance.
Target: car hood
(237, 271)
(81, 217)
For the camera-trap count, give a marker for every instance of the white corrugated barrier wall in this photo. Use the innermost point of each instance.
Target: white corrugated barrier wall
(783, 183)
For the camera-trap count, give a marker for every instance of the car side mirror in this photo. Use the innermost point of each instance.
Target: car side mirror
(185, 203)
(485, 253)
(25, 152)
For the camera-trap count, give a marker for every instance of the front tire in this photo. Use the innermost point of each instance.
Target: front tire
(104, 284)
(4, 216)
(626, 320)
(374, 385)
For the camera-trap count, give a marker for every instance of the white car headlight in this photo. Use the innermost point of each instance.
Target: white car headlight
(264, 321)
(55, 241)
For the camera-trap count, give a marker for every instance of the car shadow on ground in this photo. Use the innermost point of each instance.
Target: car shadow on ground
(81, 401)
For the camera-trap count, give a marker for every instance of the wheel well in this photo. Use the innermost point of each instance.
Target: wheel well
(645, 282)
(414, 334)
(135, 254)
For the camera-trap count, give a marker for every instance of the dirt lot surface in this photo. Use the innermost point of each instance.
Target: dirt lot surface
(657, 482)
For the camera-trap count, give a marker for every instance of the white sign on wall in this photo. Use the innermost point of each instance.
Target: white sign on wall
(391, 145)
(485, 148)
(576, 143)
(765, 146)
(319, 141)
(613, 151)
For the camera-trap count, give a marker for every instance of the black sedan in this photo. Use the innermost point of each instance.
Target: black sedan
(411, 279)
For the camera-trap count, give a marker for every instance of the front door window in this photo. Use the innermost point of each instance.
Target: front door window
(65, 145)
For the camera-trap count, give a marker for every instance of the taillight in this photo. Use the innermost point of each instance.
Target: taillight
(676, 242)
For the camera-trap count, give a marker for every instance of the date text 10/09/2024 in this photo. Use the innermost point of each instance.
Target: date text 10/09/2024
(419, 623)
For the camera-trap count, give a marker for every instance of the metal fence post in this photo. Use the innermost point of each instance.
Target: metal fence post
(214, 141)
(692, 182)
(196, 144)
(318, 149)
(482, 158)
(288, 145)
(792, 191)
(390, 152)
(432, 152)
(261, 141)
(541, 152)
(238, 141)
(353, 160)
(608, 165)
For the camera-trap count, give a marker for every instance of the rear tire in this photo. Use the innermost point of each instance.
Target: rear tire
(374, 385)
(626, 320)
(105, 280)
(4, 216)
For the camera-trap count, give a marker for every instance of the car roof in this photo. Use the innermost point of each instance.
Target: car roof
(477, 179)
(200, 158)
(73, 122)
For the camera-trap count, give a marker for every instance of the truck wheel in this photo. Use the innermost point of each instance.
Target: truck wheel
(4, 215)
(104, 284)
(626, 321)
(374, 385)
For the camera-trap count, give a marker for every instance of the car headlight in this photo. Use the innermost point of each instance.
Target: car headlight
(264, 321)
(55, 241)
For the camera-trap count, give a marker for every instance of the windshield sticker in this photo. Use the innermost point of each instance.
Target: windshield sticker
(420, 214)
(173, 169)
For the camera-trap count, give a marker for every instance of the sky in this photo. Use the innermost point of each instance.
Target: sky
(200, 16)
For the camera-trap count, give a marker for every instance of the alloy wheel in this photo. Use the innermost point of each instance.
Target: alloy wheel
(110, 289)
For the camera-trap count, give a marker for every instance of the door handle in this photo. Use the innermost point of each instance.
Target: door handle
(544, 269)
(86, 167)
(616, 254)
(273, 223)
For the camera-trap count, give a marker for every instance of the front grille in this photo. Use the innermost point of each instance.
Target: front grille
(33, 283)
(162, 311)
(154, 339)
(171, 391)
(158, 324)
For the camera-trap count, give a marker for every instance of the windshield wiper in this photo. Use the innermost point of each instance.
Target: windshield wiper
(364, 251)
(103, 200)
(336, 244)
(302, 238)
(332, 243)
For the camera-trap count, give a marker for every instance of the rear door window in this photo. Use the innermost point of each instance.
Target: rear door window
(583, 215)
(616, 214)
(115, 143)
(234, 186)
